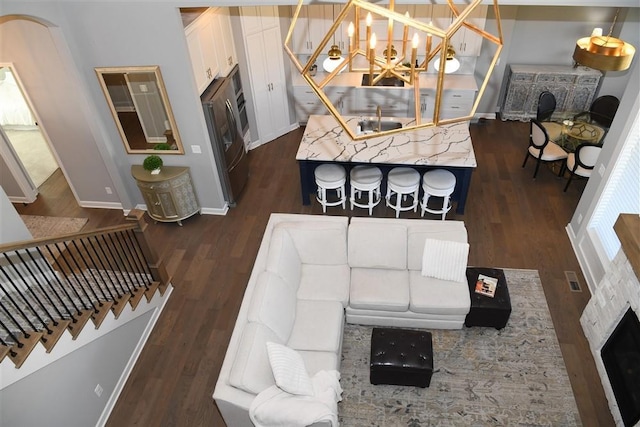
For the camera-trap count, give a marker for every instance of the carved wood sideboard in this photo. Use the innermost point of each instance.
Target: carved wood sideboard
(573, 87)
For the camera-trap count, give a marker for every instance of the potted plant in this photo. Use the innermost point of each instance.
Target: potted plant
(153, 164)
(162, 146)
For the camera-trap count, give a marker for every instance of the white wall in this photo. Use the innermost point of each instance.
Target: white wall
(59, 100)
(13, 228)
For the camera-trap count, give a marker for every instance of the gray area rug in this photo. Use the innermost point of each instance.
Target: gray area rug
(482, 376)
(49, 226)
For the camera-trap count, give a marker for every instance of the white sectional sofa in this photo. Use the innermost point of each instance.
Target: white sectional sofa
(309, 270)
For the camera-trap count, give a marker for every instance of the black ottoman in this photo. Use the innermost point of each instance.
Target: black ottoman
(401, 357)
(487, 311)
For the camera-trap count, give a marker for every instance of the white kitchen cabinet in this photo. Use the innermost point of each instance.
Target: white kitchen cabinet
(454, 103)
(225, 47)
(465, 42)
(266, 62)
(308, 103)
(201, 38)
(256, 18)
(394, 102)
(312, 25)
(211, 46)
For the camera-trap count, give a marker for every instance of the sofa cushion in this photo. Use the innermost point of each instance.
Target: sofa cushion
(431, 229)
(444, 259)
(251, 370)
(288, 370)
(274, 304)
(283, 258)
(317, 361)
(325, 283)
(319, 242)
(379, 289)
(318, 326)
(436, 296)
(378, 245)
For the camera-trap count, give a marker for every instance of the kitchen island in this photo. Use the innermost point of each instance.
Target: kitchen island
(441, 147)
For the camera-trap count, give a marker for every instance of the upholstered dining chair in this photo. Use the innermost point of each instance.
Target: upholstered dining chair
(601, 112)
(542, 148)
(582, 161)
(546, 108)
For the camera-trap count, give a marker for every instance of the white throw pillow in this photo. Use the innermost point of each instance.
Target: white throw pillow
(289, 370)
(445, 259)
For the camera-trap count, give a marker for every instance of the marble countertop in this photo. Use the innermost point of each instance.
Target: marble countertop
(448, 145)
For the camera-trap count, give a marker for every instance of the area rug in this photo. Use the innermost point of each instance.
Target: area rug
(482, 377)
(49, 226)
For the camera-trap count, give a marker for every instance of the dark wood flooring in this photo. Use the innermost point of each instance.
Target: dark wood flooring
(512, 220)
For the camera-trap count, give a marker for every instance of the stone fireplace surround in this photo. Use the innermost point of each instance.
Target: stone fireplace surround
(618, 290)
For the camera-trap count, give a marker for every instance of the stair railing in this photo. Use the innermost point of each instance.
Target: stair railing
(52, 285)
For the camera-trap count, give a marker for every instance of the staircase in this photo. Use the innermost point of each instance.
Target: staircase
(55, 286)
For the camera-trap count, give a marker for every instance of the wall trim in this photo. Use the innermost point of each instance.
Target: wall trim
(101, 205)
(113, 399)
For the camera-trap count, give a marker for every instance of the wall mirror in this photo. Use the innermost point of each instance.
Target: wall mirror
(140, 107)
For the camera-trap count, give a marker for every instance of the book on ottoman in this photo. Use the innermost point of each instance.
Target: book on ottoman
(486, 285)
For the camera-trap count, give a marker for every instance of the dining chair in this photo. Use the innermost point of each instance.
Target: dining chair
(546, 108)
(601, 112)
(582, 161)
(542, 148)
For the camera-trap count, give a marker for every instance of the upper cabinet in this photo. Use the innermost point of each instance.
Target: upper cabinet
(211, 46)
(314, 21)
(465, 42)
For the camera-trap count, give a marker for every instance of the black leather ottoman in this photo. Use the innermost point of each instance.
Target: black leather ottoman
(401, 357)
(488, 311)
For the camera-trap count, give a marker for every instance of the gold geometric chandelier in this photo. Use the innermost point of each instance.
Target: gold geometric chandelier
(429, 40)
(604, 53)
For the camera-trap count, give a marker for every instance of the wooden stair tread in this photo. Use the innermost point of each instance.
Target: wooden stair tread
(100, 313)
(136, 297)
(4, 350)
(119, 304)
(19, 354)
(49, 340)
(151, 290)
(81, 320)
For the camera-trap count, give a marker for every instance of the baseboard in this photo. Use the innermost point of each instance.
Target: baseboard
(489, 116)
(215, 211)
(113, 399)
(100, 205)
(257, 143)
(203, 211)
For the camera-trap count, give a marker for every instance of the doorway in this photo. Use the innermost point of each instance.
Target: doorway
(22, 129)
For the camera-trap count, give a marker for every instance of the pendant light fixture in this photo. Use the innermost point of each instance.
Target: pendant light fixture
(334, 60)
(378, 61)
(604, 53)
(451, 64)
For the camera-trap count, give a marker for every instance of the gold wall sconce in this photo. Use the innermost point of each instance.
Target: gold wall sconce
(404, 66)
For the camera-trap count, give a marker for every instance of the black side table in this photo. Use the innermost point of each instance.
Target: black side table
(487, 311)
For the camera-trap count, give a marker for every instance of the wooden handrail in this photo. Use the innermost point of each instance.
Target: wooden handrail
(25, 244)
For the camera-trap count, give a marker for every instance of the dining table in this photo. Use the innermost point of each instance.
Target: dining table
(575, 133)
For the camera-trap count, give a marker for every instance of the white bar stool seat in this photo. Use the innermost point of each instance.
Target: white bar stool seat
(369, 179)
(403, 182)
(330, 176)
(438, 183)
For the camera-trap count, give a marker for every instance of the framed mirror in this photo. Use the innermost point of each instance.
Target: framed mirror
(140, 107)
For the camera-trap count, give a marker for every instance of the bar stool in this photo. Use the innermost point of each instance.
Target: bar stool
(330, 176)
(403, 182)
(438, 183)
(365, 178)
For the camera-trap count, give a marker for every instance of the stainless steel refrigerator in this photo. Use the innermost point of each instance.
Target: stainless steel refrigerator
(222, 117)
